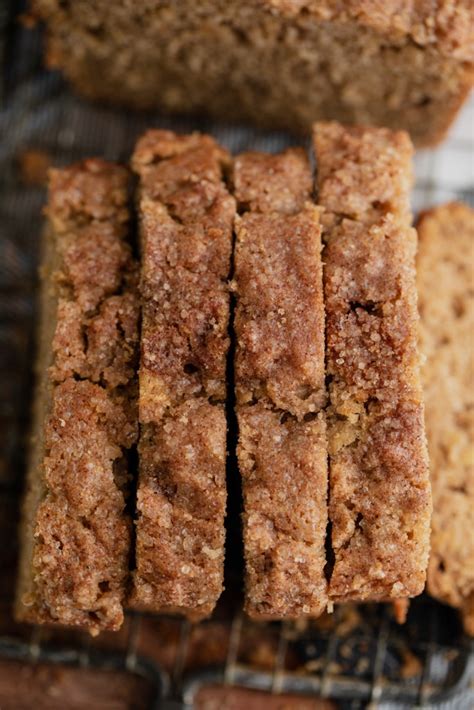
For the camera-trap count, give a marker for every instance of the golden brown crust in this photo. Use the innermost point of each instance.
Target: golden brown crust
(358, 176)
(279, 374)
(82, 534)
(186, 217)
(180, 530)
(280, 319)
(446, 302)
(379, 501)
(284, 478)
(93, 190)
(272, 183)
(185, 212)
(447, 24)
(75, 569)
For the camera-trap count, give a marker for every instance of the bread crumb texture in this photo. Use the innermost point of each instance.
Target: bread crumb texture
(186, 217)
(379, 500)
(279, 375)
(81, 531)
(446, 302)
(276, 63)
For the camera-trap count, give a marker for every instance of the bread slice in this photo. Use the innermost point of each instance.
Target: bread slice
(277, 63)
(75, 532)
(279, 382)
(186, 218)
(446, 302)
(379, 499)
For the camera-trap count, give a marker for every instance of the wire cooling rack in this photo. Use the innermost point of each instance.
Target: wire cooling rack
(358, 656)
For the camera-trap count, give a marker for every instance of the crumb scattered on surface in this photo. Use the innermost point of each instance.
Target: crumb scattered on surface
(34, 166)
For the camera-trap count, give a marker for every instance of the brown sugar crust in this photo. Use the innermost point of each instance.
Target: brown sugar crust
(82, 534)
(448, 24)
(186, 217)
(379, 500)
(272, 183)
(181, 501)
(185, 212)
(280, 319)
(76, 535)
(284, 477)
(279, 375)
(446, 302)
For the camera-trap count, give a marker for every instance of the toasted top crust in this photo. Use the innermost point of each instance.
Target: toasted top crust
(91, 190)
(156, 145)
(186, 219)
(97, 312)
(186, 214)
(272, 183)
(280, 318)
(280, 388)
(76, 534)
(446, 24)
(181, 502)
(358, 174)
(94, 279)
(375, 308)
(379, 471)
(82, 533)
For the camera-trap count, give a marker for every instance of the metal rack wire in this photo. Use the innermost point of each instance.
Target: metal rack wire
(373, 661)
(332, 681)
(443, 673)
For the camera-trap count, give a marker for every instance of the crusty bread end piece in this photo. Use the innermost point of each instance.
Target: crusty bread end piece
(446, 301)
(75, 537)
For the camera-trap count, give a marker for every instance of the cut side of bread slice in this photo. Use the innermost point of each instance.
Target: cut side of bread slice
(186, 216)
(279, 383)
(379, 494)
(75, 532)
(325, 370)
(445, 267)
(276, 63)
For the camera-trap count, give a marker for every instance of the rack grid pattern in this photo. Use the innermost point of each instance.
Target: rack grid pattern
(371, 664)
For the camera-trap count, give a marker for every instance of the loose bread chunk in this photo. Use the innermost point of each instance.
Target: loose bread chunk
(278, 63)
(75, 533)
(279, 381)
(186, 218)
(446, 302)
(379, 499)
